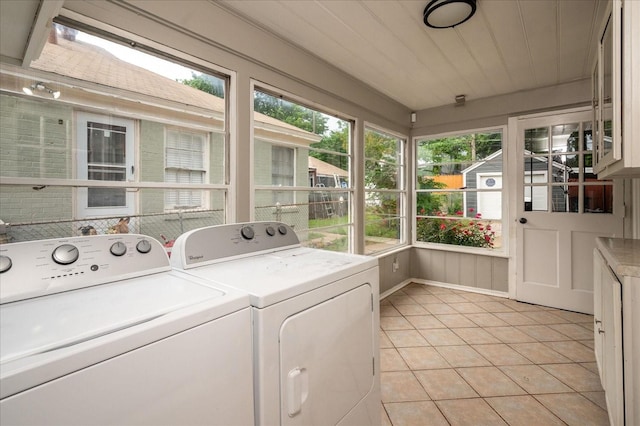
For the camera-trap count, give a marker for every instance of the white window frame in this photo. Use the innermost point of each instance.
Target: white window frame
(502, 251)
(402, 190)
(206, 142)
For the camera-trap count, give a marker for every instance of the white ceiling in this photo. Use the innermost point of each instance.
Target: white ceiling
(507, 46)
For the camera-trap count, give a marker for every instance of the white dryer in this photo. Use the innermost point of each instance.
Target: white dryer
(100, 330)
(315, 319)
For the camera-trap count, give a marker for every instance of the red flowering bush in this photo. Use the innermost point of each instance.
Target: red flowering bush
(471, 232)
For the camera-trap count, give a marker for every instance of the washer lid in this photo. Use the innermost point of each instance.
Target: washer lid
(62, 320)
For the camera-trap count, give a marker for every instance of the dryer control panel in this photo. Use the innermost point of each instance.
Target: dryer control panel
(36, 268)
(225, 242)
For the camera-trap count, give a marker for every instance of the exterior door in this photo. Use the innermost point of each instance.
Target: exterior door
(105, 153)
(561, 208)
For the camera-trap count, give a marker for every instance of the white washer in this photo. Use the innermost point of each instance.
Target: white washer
(316, 320)
(100, 330)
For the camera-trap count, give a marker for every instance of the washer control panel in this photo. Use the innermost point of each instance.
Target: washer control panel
(36, 268)
(222, 242)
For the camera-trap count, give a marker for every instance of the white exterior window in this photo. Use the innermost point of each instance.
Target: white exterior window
(186, 157)
(458, 190)
(105, 153)
(282, 172)
(385, 190)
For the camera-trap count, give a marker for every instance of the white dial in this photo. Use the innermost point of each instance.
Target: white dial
(65, 254)
(143, 246)
(118, 249)
(5, 263)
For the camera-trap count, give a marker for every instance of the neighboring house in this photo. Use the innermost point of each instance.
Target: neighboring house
(324, 204)
(282, 151)
(164, 132)
(323, 174)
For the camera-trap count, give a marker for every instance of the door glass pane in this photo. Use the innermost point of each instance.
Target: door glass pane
(587, 132)
(536, 141)
(107, 197)
(535, 170)
(565, 198)
(598, 199)
(535, 198)
(565, 137)
(587, 156)
(106, 160)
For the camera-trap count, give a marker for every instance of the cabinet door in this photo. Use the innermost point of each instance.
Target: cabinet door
(607, 144)
(599, 267)
(612, 381)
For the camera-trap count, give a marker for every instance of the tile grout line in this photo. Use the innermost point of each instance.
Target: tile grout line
(537, 316)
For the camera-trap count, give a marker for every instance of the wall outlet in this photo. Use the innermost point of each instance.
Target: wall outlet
(395, 265)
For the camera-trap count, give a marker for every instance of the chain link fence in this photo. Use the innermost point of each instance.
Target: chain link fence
(165, 227)
(318, 222)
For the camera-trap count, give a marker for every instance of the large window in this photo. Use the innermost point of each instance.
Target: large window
(96, 133)
(385, 191)
(459, 193)
(302, 172)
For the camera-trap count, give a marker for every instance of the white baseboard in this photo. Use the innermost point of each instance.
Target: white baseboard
(396, 288)
(404, 283)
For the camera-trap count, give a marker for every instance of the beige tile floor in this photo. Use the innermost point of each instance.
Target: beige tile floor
(462, 358)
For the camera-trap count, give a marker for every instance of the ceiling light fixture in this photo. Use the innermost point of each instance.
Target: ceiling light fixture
(41, 88)
(448, 13)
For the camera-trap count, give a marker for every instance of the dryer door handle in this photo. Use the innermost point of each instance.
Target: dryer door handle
(297, 390)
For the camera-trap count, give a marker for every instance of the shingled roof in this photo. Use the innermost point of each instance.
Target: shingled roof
(91, 63)
(324, 168)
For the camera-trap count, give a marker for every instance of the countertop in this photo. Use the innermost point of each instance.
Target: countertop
(622, 254)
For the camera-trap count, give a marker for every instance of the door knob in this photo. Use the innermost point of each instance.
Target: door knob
(522, 220)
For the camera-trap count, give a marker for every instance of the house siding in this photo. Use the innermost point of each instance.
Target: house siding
(262, 176)
(35, 142)
(155, 221)
(297, 215)
(151, 162)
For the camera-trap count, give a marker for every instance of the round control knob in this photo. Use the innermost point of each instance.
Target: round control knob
(270, 231)
(143, 246)
(118, 249)
(5, 263)
(282, 230)
(247, 232)
(65, 254)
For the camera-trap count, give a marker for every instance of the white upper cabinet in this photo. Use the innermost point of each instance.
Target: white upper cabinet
(616, 92)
